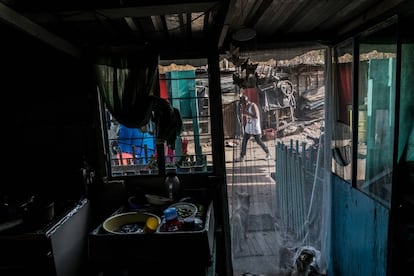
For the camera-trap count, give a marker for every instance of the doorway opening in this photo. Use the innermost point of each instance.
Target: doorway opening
(276, 204)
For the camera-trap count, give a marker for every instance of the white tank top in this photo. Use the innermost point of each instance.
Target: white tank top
(252, 124)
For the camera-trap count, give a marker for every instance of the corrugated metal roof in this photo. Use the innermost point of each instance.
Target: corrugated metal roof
(184, 28)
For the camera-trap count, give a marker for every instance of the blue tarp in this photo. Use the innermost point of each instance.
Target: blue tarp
(133, 140)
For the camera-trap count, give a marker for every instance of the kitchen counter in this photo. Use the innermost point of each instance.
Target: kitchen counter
(50, 248)
(182, 252)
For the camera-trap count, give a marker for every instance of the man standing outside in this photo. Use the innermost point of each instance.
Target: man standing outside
(252, 127)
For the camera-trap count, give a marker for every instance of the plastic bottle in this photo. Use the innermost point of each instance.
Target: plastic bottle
(172, 184)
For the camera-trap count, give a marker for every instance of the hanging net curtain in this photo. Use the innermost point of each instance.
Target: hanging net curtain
(128, 85)
(279, 209)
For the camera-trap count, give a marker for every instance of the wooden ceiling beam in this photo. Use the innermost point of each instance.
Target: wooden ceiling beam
(226, 23)
(10, 17)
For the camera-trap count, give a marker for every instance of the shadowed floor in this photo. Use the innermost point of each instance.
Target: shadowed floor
(260, 251)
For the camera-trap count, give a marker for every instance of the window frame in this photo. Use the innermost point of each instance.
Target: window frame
(357, 133)
(201, 162)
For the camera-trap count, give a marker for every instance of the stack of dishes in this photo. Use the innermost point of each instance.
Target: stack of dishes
(129, 223)
(185, 209)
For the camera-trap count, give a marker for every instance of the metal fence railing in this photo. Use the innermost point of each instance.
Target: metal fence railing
(296, 169)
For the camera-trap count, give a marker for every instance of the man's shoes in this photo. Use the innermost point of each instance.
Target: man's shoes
(239, 159)
(268, 156)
